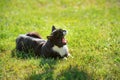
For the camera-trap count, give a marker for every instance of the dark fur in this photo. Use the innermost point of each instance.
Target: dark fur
(34, 34)
(40, 46)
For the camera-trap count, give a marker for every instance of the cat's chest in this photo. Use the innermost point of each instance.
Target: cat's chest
(62, 50)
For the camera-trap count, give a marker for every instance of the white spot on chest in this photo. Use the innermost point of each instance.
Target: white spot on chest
(62, 50)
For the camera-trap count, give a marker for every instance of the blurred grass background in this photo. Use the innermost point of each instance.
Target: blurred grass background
(93, 38)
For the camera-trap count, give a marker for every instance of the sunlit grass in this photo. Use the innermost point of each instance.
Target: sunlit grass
(93, 39)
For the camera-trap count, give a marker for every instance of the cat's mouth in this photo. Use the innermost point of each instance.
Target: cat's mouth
(64, 41)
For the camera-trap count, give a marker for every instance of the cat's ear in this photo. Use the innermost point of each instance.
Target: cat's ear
(53, 28)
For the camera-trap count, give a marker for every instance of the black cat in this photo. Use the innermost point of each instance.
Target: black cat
(54, 47)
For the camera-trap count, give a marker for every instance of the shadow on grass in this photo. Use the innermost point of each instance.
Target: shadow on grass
(22, 55)
(72, 73)
(47, 66)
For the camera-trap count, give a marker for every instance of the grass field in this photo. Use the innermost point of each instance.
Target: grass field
(93, 39)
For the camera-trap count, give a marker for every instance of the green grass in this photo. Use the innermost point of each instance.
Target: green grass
(93, 39)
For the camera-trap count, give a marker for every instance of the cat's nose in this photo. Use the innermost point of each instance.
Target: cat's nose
(64, 32)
